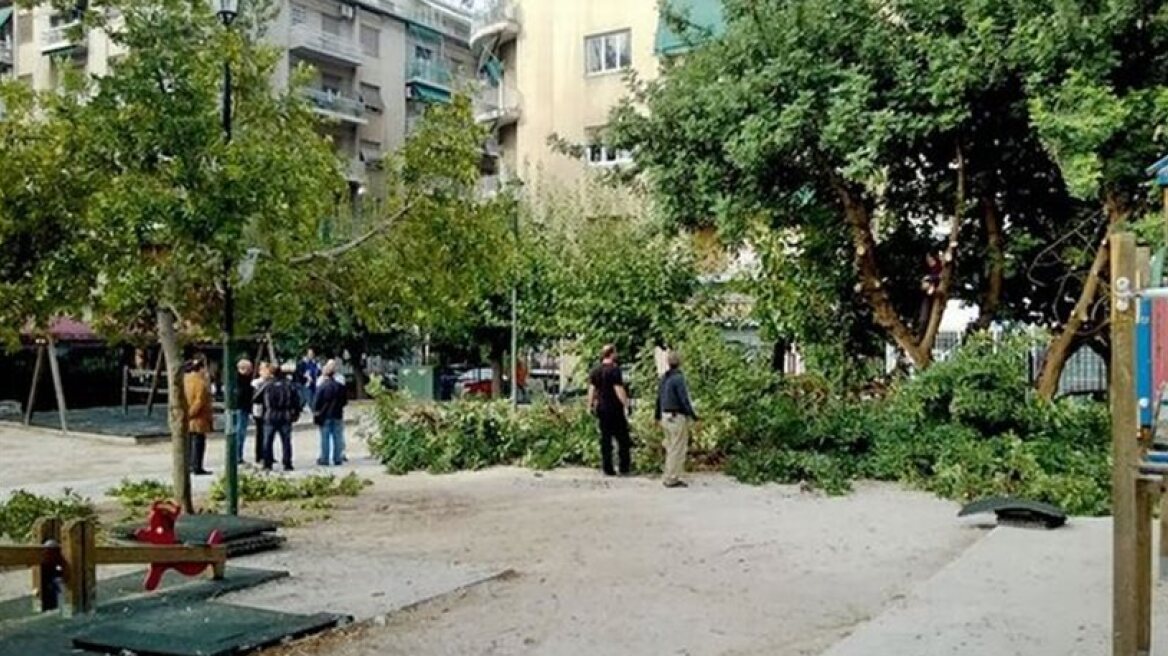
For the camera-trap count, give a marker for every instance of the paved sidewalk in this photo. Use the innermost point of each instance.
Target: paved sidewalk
(1017, 592)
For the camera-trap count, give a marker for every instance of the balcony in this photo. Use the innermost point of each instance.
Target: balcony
(323, 46)
(336, 106)
(429, 81)
(5, 53)
(499, 105)
(497, 25)
(59, 38)
(443, 22)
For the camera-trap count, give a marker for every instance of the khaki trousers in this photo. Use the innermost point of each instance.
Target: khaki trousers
(676, 444)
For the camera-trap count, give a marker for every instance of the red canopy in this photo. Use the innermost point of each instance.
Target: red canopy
(64, 329)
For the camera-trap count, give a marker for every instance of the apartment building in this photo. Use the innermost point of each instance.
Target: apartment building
(558, 68)
(375, 64)
(6, 50)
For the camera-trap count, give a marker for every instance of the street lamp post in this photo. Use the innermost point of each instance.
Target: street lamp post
(227, 11)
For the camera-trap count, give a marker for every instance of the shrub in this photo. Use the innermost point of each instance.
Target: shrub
(136, 496)
(270, 487)
(23, 508)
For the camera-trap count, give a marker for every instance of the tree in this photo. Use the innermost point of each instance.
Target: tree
(165, 205)
(869, 128)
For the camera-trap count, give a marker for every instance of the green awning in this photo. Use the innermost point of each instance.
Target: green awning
(428, 94)
(5, 15)
(423, 33)
(494, 70)
(704, 16)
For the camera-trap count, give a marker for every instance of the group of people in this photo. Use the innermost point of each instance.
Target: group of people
(273, 396)
(609, 402)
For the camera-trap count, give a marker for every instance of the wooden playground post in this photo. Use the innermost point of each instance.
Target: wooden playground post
(1126, 611)
(154, 383)
(58, 387)
(37, 371)
(45, 530)
(78, 549)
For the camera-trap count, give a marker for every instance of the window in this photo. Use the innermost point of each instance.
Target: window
(370, 151)
(299, 14)
(331, 83)
(371, 41)
(600, 155)
(371, 95)
(24, 27)
(605, 53)
(423, 53)
(331, 25)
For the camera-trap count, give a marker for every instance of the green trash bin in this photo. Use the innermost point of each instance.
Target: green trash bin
(420, 382)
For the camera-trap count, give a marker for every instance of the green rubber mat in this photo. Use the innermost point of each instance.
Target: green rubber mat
(242, 535)
(23, 633)
(207, 629)
(195, 528)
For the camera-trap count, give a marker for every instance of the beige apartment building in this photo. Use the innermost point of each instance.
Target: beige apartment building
(376, 64)
(557, 67)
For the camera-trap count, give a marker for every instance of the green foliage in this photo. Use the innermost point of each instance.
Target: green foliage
(806, 116)
(443, 438)
(269, 487)
(23, 508)
(968, 427)
(136, 496)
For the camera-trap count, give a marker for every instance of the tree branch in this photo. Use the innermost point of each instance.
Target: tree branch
(337, 251)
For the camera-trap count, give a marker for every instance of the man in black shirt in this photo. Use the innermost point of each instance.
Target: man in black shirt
(609, 402)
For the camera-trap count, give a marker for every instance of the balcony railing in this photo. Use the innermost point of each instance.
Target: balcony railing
(440, 21)
(432, 72)
(336, 104)
(6, 53)
(58, 38)
(335, 47)
(500, 18)
(500, 105)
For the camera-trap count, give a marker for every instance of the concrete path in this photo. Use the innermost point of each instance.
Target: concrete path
(1017, 592)
(46, 461)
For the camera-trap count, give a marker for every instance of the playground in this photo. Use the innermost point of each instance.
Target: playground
(431, 565)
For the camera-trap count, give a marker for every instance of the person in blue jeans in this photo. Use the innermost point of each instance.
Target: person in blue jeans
(307, 371)
(243, 400)
(328, 410)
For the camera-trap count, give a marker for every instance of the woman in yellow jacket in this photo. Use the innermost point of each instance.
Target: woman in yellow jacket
(200, 412)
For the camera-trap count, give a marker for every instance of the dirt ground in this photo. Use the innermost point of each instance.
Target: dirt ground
(627, 567)
(594, 565)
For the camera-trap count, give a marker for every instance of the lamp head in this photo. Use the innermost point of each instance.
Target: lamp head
(226, 10)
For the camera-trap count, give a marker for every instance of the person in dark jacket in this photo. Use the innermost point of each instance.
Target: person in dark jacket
(282, 407)
(675, 414)
(243, 399)
(328, 408)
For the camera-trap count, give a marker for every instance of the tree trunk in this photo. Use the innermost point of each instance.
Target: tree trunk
(176, 404)
(871, 285)
(1061, 346)
(948, 262)
(995, 250)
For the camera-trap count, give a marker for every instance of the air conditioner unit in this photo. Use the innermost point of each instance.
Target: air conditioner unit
(348, 12)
